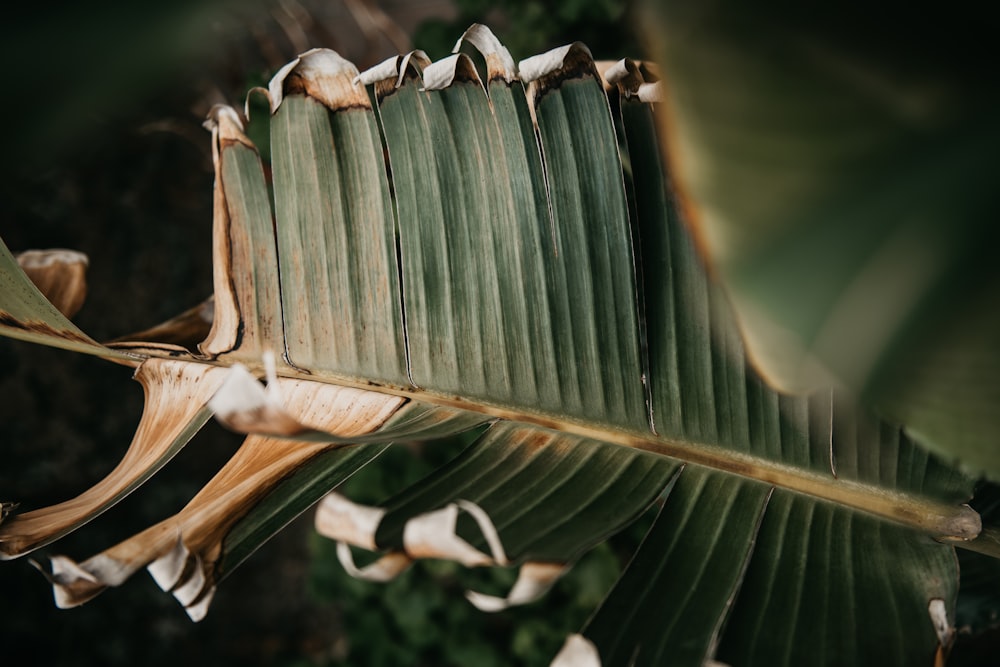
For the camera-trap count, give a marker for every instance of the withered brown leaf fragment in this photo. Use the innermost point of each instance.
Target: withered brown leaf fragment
(183, 551)
(247, 308)
(6, 508)
(187, 329)
(58, 274)
(176, 396)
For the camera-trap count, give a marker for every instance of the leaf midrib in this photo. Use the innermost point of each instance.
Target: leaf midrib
(957, 524)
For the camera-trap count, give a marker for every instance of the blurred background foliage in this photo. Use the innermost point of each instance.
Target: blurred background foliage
(528, 27)
(105, 153)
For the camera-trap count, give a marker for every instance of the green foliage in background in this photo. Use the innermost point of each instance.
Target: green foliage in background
(527, 27)
(421, 617)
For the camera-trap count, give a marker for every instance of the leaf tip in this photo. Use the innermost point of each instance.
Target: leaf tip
(554, 61)
(577, 651)
(322, 74)
(59, 274)
(441, 74)
(432, 535)
(499, 62)
(533, 581)
(72, 583)
(340, 519)
(938, 611)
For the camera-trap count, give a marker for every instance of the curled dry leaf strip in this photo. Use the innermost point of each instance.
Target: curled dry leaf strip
(533, 581)
(651, 93)
(75, 583)
(224, 123)
(577, 651)
(488, 529)
(428, 535)
(432, 535)
(322, 74)
(199, 609)
(340, 519)
(938, 612)
(384, 569)
(167, 569)
(276, 86)
(416, 61)
(59, 274)
(441, 74)
(352, 524)
(621, 71)
(499, 62)
(65, 569)
(536, 67)
(256, 90)
(176, 395)
(191, 589)
(72, 585)
(628, 76)
(244, 405)
(394, 68)
(387, 69)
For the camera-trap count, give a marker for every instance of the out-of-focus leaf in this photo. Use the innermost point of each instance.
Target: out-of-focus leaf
(840, 179)
(60, 275)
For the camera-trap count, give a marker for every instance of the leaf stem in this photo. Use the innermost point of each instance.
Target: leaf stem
(956, 524)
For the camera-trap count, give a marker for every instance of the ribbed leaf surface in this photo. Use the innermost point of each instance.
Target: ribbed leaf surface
(539, 488)
(668, 607)
(494, 260)
(550, 322)
(340, 290)
(816, 589)
(828, 586)
(591, 267)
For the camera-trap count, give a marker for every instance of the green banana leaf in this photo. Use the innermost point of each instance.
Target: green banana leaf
(435, 253)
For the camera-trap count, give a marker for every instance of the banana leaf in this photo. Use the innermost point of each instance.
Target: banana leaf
(438, 252)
